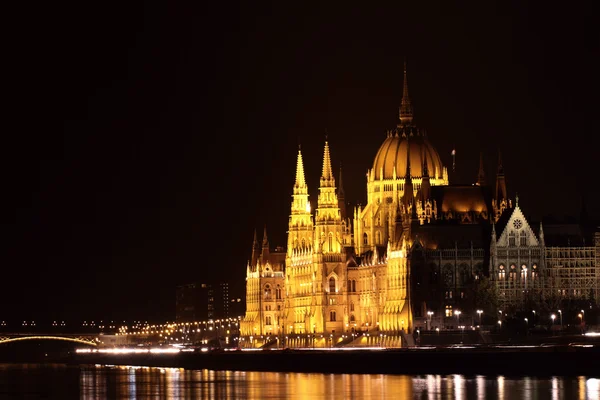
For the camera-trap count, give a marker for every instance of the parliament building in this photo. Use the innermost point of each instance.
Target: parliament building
(413, 256)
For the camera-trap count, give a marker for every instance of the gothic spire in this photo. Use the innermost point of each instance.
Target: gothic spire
(265, 247)
(406, 108)
(500, 181)
(300, 181)
(265, 242)
(255, 250)
(327, 174)
(481, 173)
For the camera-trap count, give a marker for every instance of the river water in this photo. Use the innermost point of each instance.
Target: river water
(54, 381)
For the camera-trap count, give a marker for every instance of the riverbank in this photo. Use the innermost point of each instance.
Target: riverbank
(519, 361)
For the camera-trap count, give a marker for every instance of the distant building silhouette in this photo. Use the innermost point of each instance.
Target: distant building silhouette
(205, 301)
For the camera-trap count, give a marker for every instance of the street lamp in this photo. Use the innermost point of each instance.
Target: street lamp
(560, 313)
(429, 314)
(553, 316)
(479, 312)
(457, 313)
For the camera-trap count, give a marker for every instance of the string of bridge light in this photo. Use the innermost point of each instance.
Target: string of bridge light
(61, 323)
(168, 328)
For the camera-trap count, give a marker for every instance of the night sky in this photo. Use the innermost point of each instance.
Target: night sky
(144, 143)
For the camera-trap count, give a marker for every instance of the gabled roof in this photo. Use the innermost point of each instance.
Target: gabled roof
(516, 224)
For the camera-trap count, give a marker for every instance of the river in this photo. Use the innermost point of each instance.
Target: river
(57, 381)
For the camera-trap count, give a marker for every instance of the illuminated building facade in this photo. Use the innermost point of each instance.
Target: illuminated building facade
(410, 258)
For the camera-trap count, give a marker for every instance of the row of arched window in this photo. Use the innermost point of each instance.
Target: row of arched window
(514, 273)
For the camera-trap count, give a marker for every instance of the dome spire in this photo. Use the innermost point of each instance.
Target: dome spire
(406, 108)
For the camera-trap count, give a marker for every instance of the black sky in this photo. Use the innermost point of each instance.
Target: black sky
(143, 143)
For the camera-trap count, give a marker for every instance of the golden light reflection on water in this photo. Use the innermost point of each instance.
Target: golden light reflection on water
(102, 382)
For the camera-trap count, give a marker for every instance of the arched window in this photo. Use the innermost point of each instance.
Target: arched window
(448, 276)
(352, 319)
(268, 320)
(267, 292)
(352, 307)
(365, 239)
(332, 285)
(332, 315)
(330, 242)
(465, 274)
(512, 275)
(523, 239)
(501, 273)
(354, 286)
(303, 243)
(278, 293)
(511, 239)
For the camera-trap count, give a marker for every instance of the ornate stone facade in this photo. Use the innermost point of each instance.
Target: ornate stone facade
(411, 257)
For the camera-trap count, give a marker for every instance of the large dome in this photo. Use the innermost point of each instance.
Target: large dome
(393, 153)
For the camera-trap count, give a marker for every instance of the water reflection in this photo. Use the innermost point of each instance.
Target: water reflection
(131, 382)
(120, 382)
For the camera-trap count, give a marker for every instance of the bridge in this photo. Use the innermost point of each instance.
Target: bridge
(87, 339)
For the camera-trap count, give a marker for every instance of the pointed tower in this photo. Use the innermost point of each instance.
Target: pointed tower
(328, 222)
(264, 254)
(500, 201)
(481, 173)
(300, 232)
(406, 108)
(255, 251)
(500, 181)
(541, 235)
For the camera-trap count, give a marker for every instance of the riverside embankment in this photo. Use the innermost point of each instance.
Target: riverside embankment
(506, 360)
